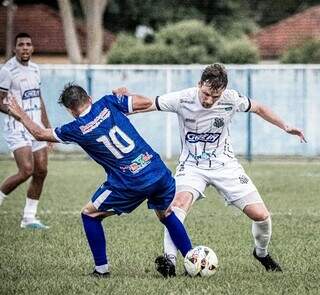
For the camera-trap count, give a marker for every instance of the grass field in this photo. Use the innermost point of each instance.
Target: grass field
(57, 261)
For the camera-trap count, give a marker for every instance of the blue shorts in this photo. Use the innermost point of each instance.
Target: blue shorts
(159, 195)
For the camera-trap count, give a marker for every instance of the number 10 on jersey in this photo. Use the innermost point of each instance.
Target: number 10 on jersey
(113, 144)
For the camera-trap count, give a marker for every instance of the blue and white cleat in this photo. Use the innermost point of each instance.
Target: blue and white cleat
(33, 224)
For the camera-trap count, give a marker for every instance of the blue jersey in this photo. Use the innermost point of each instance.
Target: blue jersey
(107, 135)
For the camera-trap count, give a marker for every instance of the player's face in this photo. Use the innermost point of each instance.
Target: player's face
(209, 96)
(23, 49)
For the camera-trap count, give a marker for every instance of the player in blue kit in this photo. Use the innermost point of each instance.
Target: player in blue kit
(135, 172)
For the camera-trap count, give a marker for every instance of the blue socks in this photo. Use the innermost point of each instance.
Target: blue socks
(177, 233)
(96, 239)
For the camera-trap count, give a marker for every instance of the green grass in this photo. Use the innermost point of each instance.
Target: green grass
(58, 260)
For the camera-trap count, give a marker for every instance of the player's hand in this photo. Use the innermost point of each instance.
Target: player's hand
(120, 91)
(297, 132)
(14, 108)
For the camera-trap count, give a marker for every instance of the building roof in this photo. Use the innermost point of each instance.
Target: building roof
(44, 25)
(273, 40)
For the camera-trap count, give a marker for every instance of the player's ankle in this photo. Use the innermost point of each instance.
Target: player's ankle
(2, 197)
(172, 258)
(260, 252)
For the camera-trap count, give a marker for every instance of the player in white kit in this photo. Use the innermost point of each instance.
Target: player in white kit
(20, 78)
(204, 113)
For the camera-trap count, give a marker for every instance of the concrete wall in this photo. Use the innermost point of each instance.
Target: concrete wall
(291, 91)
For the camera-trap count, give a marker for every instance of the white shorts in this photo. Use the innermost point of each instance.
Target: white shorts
(21, 138)
(230, 180)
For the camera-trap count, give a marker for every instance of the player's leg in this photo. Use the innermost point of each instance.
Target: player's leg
(190, 185)
(238, 189)
(261, 230)
(181, 205)
(40, 163)
(24, 161)
(176, 230)
(178, 237)
(161, 200)
(92, 224)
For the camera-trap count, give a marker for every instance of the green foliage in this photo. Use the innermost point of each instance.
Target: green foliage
(144, 54)
(186, 42)
(58, 260)
(240, 51)
(307, 52)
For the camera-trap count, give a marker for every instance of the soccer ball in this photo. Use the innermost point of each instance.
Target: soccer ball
(201, 261)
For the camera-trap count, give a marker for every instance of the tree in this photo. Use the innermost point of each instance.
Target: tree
(93, 12)
(11, 7)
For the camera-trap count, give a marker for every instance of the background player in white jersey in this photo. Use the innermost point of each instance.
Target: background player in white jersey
(204, 114)
(21, 78)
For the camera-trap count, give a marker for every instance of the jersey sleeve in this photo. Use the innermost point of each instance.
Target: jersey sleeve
(5, 79)
(65, 134)
(242, 103)
(168, 102)
(121, 102)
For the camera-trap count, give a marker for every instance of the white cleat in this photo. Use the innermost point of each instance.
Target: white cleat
(33, 224)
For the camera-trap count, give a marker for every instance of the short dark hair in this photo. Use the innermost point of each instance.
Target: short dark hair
(73, 96)
(21, 35)
(215, 76)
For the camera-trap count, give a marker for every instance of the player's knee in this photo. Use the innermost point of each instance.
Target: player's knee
(40, 173)
(26, 172)
(260, 215)
(89, 210)
(182, 200)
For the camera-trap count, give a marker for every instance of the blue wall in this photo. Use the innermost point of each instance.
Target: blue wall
(291, 91)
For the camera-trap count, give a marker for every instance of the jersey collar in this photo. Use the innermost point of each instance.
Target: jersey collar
(86, 111)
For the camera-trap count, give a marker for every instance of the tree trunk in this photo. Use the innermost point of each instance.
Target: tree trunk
(70, 36)
(93, 11)
(9, 31)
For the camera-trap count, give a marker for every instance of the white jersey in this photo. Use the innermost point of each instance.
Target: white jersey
(22, 82)
(204, 133)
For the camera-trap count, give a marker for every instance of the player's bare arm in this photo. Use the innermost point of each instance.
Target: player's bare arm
(139, 103)
(3, 106)
(39, 133)
(268, 115)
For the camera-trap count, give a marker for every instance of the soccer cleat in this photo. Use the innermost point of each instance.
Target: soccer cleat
(267, 262)
(100, 275)
(34, 224)
(165, 266)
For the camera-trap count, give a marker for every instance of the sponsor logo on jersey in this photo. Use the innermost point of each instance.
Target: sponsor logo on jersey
(221, 103)
(190, 120)
(105, 113)
(218, 122)
(138, 163)
(202, 137)
(31, 93)
(185, 100)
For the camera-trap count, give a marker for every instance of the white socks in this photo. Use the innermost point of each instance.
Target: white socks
(102, 268)
(2, 197)
(169, 247)
(261, 231)
(30, 209)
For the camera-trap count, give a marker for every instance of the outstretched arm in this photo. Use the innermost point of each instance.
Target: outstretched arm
(139, 103)
(268, 115)
(39, 133)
